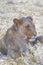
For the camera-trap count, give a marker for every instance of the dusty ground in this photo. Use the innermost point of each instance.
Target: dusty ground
(10, 9)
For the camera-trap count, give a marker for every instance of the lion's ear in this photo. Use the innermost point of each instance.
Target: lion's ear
(17, 22)
(29, 18)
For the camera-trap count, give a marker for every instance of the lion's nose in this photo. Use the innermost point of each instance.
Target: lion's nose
(34, 33)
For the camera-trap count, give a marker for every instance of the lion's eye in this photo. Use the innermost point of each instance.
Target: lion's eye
(27, 27)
